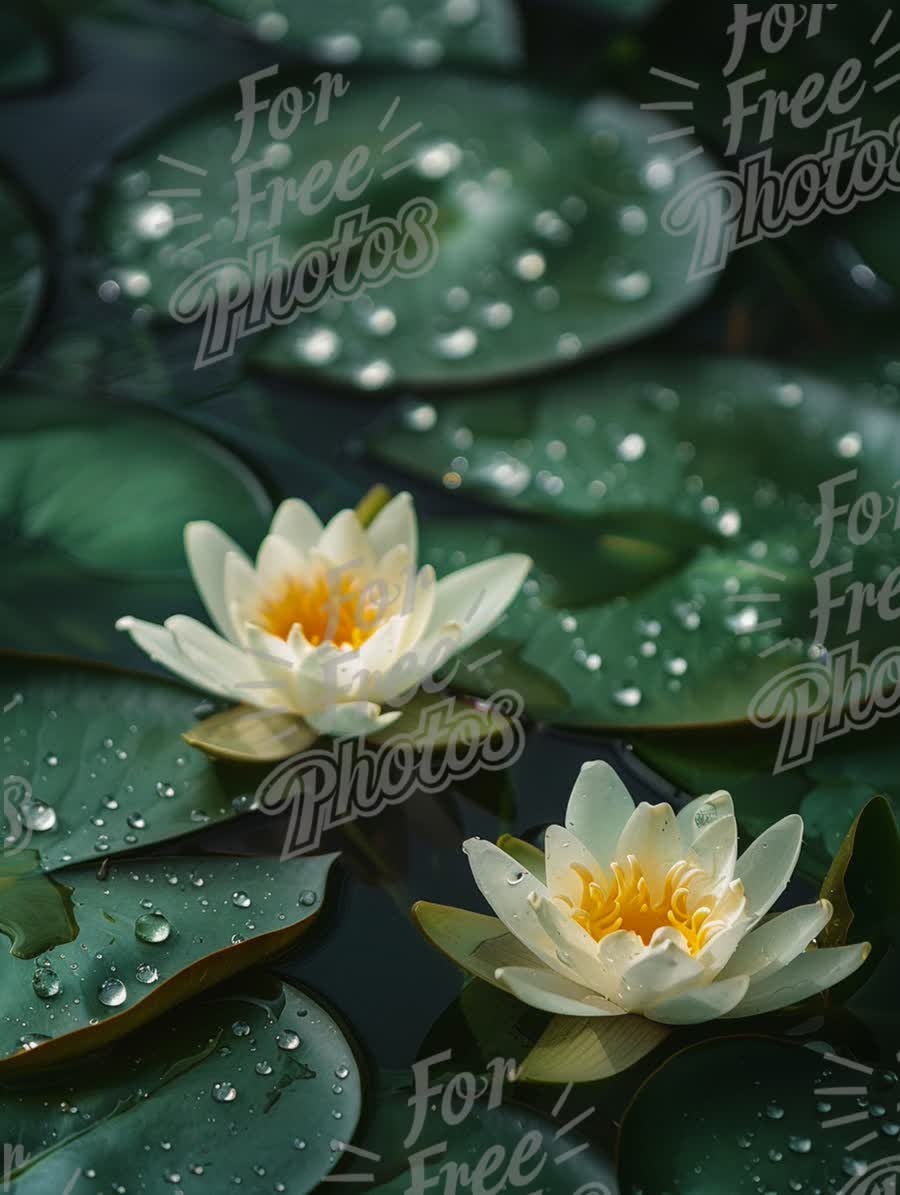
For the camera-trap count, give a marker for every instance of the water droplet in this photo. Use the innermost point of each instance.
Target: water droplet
(31, 1041)
(46, 983)
(37, 816)
(263, 1068)
(421, 417)
(458, 344)
(51, 759)
(287, 1039)
(375, 375)
(307, 898)
(241, 900)
(774, 1111)
(629, 697)
(224, 1093)
(152, 927)
(632, 448)
(530, 266)
(136, 821)
(849, 445)
(320, 347)
(342, 1072)
(146, 973)
(165, 789)
(240, 1029)
(112, 992)
(800, 1145)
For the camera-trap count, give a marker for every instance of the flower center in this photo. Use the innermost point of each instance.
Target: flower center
(343, 614)
(626, 904)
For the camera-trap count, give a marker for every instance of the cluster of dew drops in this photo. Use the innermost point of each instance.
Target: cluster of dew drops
(525, 469)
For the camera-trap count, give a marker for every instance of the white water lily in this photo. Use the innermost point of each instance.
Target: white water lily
(331, 623)
(642, 911)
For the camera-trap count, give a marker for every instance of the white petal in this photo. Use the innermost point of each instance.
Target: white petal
(598, 809)
(231, 667)
(344, 543)
(277, 563)
(298, 523)
(574, 954)
(651, 834)
(475, 597)
(700, 1004)
(768, 863)
(506, 886)
(241, 594)
(352, 719)
(564, 851)
(702, 813)
(544, 989)
(777, 942)
(421, 611)
(660, 970)
(716, 848)
(159, 644)
(809, 974)
(275, 662)
(421, 661)
(395, 524)
(207, 548)
(721, 947)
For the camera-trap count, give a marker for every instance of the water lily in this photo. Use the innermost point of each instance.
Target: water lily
(640, 910)
(332, 623)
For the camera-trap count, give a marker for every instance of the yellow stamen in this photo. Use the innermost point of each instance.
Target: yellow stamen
(341, 616)
(627, 904)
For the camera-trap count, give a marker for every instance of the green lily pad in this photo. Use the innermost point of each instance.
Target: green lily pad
(753, 1122)
(547, 226)
(22, 272)
(716, 465)
(148, 934)
(422, 33)
(93, 503)
(94, 763)
(209, 1094)
(502, 1143)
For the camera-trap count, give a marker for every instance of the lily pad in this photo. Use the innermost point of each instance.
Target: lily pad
(545, 214)
(754, 1122)
(148, 934)
(422, 33)
(499, 1141)
(94, 763)
(22, 272)
(93, 503)
(209, 1091)
(717, 466)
